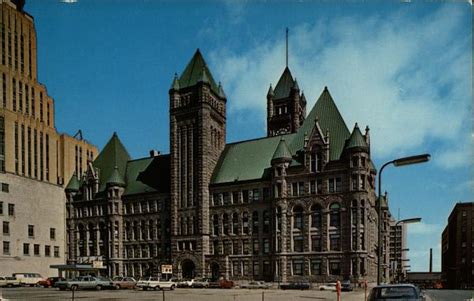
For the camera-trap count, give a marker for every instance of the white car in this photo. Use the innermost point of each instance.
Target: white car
(328, 287)
(28, 279)
(186, 283)
(155, 283)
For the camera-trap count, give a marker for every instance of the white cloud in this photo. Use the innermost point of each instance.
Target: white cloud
(409, 80)
(424, 228)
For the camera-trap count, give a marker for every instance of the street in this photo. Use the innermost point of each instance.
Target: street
(176, 295)
(451, 295)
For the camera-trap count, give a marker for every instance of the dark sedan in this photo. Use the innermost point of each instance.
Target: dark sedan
(395, 291)
(295, 286)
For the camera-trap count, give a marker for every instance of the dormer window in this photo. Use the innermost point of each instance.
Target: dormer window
(316, 162)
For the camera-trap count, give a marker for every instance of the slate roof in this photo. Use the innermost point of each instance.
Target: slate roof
(284, 85)
(73, 184)
(282, 151)
(112, 155)
(115, 178)
(356, 140)
(148, 175)
(251, 160)
(197, 71)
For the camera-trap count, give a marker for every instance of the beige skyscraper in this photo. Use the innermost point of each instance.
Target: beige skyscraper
(34, 158)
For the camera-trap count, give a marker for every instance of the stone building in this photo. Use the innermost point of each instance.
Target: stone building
(34, 158)
(297, 203)
(457, 245)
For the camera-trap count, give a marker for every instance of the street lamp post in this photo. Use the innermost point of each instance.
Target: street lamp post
(403, 221)
(397, 163)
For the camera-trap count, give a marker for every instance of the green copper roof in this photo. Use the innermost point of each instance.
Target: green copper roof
(197, 71)
(356, 139)
(284, 85)
(115, 178)
(113, 154)
(251, 160)
(73, 184)
(148, 175)
(247, 160)
(327, 113)
(282, 151)
(175, 84)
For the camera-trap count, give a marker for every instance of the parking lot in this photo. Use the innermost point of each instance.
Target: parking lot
(36, 293)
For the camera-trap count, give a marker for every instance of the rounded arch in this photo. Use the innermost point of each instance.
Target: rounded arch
(215, 270)
(188, 269)
(335, 215)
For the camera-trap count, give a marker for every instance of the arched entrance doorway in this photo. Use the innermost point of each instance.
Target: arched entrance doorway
(215, 271)
(188, 269)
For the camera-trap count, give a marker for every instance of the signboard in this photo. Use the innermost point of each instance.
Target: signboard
(97, 264)
(167, 269)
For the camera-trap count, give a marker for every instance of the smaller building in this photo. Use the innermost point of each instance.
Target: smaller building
(398, 251)
(456, 248)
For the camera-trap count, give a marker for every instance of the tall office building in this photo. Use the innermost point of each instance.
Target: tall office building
(457, 248)
(34, 158)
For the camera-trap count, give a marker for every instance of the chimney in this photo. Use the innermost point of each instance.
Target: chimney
(154, 153)
(431, 260)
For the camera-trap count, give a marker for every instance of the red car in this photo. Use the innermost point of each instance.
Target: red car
(50, 281)
(224, 283)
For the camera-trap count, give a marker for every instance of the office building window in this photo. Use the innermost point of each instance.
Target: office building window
(47, 156)
(6, 248)
(1, 208)
(2, 144)
(3, 44)
(41, 107)
(52, 233)
(30, 158)
(35, 153)
(47, 251)
(33, 104)
(16, 148)
(334, 268)
(298, 243)
(20, 96)
(16, 50)
(22, 54)
(48, 121)
(41, 156)
(36, 249)
(22, 149)
(9, 48)
(6, 228)
(31, 231)
(11, 209)
(298, 267)
(27, 100)
(14, 94)
(315, 267)
(26, 249)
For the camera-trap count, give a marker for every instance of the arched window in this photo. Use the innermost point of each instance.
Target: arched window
(315, 216)
(245, 223)
(215, 224)
(298, 217)
(266, 222)
(235, 223)
(255, 222)
(151, 229)
(335, 215)
(225, 223)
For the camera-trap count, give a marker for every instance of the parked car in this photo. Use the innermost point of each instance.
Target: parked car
(85, 282)
(328, 287)
(3, 281)
(395, 291)
(12, 281)
(28, 279)
(124, 282)
(155, 283)
(255, 285)
(214, 284)
(185, 283)
(302, 285)
(50, 282)
(200, 283)
(224, 283)
(346, 286)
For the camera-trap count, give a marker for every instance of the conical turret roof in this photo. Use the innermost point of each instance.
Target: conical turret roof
(74, 184)
(113, 155)
(197, 71)
(284, 85)
(115, 178)
(282, 151)
(175, 84)
(356, 139)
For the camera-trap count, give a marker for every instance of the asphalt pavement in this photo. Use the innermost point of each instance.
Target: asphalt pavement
(449, 295)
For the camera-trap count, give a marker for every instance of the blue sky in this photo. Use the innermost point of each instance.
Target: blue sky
(404, 69)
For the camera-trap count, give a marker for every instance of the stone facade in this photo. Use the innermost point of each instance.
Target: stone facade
(299, 203)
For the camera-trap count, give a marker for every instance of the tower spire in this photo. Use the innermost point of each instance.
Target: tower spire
(287, 47)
